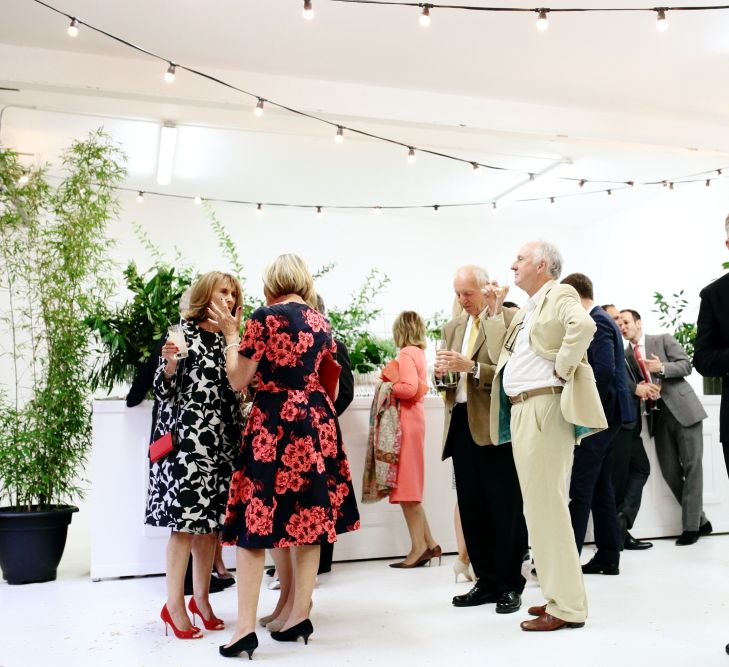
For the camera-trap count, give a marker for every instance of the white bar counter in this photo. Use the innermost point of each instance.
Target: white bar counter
(121, 545)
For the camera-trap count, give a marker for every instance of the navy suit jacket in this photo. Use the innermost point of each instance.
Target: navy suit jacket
(607, 358)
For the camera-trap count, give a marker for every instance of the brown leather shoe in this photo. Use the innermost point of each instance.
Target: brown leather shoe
(547, 623)
(537, 611)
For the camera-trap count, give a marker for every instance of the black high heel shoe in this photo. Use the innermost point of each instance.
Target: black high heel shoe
(303, 629)
(249, 643)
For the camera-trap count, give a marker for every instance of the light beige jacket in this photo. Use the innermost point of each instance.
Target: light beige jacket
(561, 332)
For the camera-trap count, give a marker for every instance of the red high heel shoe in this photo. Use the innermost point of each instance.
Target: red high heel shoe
(192, 633)
(214, 623)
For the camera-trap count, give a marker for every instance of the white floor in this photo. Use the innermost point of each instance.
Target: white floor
(669, 606)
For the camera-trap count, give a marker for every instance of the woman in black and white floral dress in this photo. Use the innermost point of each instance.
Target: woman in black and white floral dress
(188, 487)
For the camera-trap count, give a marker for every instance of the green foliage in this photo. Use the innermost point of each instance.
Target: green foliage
(54, 250)
(725, 265)
(671, 314)
(370, 352)
(127, 335)
(434, 325)
(366, 351)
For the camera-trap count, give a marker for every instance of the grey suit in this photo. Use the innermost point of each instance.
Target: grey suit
(677, 427)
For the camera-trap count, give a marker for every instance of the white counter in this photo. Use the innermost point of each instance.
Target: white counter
(122, 545)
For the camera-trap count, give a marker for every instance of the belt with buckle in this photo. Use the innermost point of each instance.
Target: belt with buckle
(524, 395)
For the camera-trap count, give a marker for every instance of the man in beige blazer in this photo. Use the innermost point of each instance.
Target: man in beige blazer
(545, 400)
(489, 498)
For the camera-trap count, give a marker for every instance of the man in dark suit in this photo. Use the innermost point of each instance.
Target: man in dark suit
(591, 487)
(677, 418)
(631, 467)
(344, 398)
(487, 486)
(711, 352)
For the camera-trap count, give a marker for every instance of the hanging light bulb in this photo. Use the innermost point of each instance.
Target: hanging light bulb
(551, 200)
(258, 111)
(72, 29)
(377, 210)
(425, 16)
(661, 22)
(708, 182)
(435, 208)
(308, 11)
(542, 20)
(339, 136)
(197, 201)
(631, 184)
(494, 208)
(259, 209)
(582, 182)
(319, 212)
(411, 155)
(23, 180)
(170, 73)
(670, 185)
(610, 192)
(140, 197)
(476, 168)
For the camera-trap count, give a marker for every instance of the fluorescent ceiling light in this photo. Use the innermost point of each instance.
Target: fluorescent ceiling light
(166, 153)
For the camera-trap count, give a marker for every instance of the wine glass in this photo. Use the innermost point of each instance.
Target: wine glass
(658, 381)
(447, 379)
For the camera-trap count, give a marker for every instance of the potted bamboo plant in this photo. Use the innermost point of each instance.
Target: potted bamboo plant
(54, 271)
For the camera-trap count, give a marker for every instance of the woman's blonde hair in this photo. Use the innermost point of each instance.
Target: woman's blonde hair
(288, 274)
(201, 293)
(409, 329)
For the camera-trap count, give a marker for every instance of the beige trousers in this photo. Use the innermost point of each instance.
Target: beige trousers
(543, 445)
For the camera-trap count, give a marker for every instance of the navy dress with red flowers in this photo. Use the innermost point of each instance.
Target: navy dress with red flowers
(292, 484)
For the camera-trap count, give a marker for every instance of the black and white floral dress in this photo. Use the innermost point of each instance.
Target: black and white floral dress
(188, 488)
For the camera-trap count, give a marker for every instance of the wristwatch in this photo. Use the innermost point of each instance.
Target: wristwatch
(474, 369)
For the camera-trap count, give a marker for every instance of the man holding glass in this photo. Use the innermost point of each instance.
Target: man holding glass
(487, 487)
(545, 400)
(677, 417)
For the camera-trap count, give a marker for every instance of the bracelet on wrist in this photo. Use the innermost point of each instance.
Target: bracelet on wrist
(230, 347)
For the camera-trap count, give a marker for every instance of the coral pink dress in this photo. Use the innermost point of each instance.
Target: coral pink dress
(411, 468)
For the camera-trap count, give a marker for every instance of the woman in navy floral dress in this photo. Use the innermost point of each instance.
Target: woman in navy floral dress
(292, 486)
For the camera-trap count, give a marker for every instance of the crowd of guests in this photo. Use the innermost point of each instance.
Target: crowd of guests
(542, 425)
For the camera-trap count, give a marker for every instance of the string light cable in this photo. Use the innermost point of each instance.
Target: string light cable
(172, 67)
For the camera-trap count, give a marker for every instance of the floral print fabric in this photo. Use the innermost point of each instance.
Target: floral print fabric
(292, 484)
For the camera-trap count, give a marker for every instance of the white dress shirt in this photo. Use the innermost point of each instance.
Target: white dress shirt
(526, 370)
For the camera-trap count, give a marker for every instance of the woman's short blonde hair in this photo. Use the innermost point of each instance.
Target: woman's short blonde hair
(288, 274)
(201, 293)
(409, 329)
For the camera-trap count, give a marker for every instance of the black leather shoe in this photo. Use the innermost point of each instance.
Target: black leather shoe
(475, 596)
(508, 603)
(596, 567)
(631, 544)
(706, 528)
(688, 537)
(216, 585)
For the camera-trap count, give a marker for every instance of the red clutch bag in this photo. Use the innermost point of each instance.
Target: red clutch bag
(161, 447)
(329, 371)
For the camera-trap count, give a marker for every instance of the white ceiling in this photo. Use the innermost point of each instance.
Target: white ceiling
(605, 92)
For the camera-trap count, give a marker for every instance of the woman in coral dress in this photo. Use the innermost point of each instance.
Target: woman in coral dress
(409, 388)
(292, 487)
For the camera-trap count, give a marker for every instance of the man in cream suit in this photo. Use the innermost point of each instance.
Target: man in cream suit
(545, 400)
(487, 487)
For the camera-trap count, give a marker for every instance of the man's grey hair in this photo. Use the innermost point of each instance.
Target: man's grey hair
(726, 226)
(481, 274)
(544, 250)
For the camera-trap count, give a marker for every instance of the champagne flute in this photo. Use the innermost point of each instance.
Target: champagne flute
(440, 379)
(658, 381)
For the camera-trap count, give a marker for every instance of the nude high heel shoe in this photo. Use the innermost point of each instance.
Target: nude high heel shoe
(459, 567)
